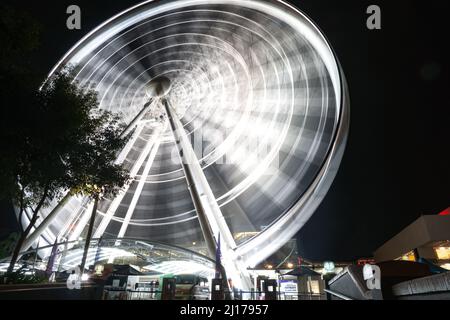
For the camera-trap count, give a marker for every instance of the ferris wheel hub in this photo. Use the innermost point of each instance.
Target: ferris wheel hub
(158, 87)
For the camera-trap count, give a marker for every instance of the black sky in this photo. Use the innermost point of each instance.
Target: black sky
(397, 162)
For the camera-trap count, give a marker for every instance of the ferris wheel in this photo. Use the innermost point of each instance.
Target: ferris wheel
(238, 113)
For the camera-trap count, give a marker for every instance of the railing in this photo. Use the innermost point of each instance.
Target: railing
(280, 295)
(121, 294)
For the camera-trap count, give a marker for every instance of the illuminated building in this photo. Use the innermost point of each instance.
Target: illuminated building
(428, 238)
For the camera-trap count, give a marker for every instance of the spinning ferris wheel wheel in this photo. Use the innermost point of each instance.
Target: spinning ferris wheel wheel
(238, 112)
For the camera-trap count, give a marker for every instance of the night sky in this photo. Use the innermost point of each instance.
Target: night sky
(396, 166)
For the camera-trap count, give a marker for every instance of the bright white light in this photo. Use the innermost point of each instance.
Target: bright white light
(181, 267)
(446, 266)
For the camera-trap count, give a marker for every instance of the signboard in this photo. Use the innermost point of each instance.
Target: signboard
(288, 287)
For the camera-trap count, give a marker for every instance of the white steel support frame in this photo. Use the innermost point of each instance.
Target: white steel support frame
(211, 219)
(85, 216)
(119, 197)
(155, 142)
(50, 218)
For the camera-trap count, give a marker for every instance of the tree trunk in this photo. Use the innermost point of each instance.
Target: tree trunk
(21, 209)
(26, 232)
(89, 234)
(16, 253)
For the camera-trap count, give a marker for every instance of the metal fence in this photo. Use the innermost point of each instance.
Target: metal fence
(154, 294)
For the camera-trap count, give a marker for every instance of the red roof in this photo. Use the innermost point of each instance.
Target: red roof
(446, 212)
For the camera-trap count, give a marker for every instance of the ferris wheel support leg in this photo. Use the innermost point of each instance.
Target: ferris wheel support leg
(45, 223)
(211, 219)
(155, 143)
(122, 193)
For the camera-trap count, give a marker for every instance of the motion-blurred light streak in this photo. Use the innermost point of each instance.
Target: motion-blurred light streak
(261, 97)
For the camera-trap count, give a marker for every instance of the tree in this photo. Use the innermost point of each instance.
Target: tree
(52, 139)
(97, 174)
(69, 144)
(19, 36)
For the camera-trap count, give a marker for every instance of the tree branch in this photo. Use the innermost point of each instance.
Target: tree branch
(36, 211)
(21, 210)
